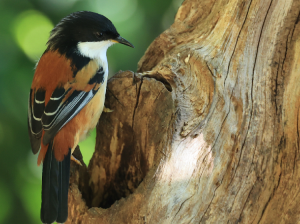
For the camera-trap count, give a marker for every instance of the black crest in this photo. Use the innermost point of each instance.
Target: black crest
(78, 27)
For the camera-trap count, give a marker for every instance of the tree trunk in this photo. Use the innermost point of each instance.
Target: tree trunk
(208, 130)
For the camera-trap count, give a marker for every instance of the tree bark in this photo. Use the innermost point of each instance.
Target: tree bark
(208, 129)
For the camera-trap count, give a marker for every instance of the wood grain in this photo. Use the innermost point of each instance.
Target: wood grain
(207, 130)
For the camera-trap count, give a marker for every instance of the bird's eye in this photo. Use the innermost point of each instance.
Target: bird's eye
(99, 35)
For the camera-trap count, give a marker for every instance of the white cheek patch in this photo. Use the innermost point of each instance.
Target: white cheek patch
(94, 49)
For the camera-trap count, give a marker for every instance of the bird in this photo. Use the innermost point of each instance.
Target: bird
(66, 100)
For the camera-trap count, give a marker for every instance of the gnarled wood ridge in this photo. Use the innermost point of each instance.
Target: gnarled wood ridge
(208, 129)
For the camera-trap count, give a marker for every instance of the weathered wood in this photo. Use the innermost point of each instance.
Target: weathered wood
(208, 129)
(133, 136)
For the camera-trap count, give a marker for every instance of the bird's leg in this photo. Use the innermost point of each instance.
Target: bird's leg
(107, 110)
(76, 160)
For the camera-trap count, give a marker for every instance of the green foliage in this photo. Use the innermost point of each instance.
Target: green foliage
(25, 26)
(31, 31)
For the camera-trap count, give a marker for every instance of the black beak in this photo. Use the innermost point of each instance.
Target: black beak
(121, 40)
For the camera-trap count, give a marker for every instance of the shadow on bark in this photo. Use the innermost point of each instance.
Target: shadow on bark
(208, 130)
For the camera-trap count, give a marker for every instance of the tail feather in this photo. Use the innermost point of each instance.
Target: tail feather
(55, 185)
(49, 207)
(64, 171)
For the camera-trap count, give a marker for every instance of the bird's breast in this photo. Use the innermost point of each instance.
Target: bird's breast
(93, 110)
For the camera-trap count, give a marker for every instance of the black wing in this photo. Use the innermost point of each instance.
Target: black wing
(36, 107)
(60, 110)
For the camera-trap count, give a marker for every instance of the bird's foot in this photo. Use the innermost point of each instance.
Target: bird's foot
(76, 160)
(107, 110)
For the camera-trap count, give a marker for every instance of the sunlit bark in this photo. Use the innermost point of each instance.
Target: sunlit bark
(208, 129)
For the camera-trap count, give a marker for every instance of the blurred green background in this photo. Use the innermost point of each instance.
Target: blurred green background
(25, 27)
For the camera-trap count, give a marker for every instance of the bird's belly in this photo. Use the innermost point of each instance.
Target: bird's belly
(93, 111)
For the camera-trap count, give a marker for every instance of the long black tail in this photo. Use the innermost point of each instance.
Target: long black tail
(55, 185)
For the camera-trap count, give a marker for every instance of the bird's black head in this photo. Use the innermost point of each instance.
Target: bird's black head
(81, 27)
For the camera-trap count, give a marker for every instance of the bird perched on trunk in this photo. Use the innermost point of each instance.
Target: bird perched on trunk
(66, 100)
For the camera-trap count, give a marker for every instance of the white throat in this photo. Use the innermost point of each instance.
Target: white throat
(96, 50)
